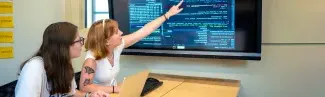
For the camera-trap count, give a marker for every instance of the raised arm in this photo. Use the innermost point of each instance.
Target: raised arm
(151, 26)
(87, 76)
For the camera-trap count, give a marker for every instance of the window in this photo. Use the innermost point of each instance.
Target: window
(96, 10)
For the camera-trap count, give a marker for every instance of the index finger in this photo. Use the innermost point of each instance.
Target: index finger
(180, 3)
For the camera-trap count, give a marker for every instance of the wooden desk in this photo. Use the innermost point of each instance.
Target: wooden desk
(182, 86)
(167, 86)
(202, 90)
(114, 95)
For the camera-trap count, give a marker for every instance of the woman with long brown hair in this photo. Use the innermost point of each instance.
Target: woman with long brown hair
(49, 73)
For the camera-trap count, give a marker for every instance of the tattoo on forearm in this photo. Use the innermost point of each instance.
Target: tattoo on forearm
(86, 82)
(89, 70)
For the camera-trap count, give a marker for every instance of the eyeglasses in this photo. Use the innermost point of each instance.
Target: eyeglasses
(81, 40)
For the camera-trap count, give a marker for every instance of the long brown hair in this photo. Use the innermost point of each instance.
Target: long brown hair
(57, 39)
(98, 33)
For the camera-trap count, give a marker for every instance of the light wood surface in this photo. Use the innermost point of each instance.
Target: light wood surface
(114, 95)
(187, 89)
(167, 86)
(184, 86)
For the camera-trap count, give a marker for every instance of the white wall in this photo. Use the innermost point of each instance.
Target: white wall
(293, 21)
(31, 17)
(286, 70)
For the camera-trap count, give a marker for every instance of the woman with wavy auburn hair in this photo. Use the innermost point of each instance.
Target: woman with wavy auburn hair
(104, 45)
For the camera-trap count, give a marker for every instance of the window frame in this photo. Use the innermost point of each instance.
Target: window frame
(90, 12)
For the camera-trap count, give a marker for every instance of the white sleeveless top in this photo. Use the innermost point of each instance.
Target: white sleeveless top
(105, 74)
(32, 81)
